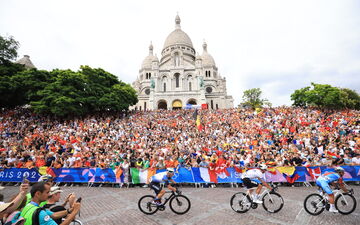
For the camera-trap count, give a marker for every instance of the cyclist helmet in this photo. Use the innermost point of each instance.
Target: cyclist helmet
(45, 178)
(263, 167)
(339, 169)
(170, 170)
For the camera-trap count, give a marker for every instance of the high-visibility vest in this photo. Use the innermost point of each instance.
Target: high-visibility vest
(28, 212)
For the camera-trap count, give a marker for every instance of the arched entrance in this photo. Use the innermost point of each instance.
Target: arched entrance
(162, 104)
(191, 102)
(177, 104)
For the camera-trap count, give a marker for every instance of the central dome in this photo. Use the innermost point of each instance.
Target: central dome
(178, 36)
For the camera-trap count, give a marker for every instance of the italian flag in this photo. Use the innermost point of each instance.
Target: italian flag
(141, 176)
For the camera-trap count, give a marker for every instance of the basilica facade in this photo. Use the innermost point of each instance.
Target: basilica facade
(181, 78)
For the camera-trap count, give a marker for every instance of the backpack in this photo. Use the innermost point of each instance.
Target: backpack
(15, 219)
(36, 216)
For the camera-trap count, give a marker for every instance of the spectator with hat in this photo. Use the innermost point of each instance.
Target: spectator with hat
(60, 211)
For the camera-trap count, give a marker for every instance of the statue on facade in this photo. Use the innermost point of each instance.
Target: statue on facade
(152, 83)
(201, 82)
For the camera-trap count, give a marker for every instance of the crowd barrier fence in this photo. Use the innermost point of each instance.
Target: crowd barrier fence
(181, 175)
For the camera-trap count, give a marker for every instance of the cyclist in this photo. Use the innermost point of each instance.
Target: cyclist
(255, 178)
(327, 178)
(159, 178)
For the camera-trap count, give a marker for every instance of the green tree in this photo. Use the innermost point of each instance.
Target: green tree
(325, 96)
(252, 98)
(63, 97)
(8, 49)
(27, 83)
(350, 98)
(86, 91)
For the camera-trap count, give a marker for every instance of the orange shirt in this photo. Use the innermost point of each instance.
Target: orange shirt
(29, 164)
(77, 164)
(40, 162)
(169, 164)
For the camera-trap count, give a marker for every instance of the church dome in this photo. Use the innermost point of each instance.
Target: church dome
(147, 63)
(178, 36)
(207, 59)
(26, 62)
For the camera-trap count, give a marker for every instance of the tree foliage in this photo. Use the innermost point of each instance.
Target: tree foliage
(86, 91)
(326, 96)
(8, 91)
(252, 98)
(8, 49)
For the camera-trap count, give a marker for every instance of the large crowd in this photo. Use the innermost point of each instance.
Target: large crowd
(282, 136)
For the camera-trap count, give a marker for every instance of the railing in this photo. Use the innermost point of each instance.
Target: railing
(182, 175)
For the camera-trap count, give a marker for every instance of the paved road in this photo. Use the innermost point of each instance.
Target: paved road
(210, 206)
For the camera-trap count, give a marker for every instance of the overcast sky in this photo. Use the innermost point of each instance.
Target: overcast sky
(278, 46)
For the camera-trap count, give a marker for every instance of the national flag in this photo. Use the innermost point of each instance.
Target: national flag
(212, 175)
(291, 179)
(119, 175)
(198, 123)
(141, 176)
(208, 175)
(42, 170)
(289, 170)
(314, 172)
(272, 170)
(50, 172)
(333, 155)
(118, 172)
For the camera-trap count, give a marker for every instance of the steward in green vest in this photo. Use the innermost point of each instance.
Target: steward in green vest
(40, 193)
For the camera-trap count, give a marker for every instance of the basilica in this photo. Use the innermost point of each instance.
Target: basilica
(182, 78)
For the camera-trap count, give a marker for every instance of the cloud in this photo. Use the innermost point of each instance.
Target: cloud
(277, 45)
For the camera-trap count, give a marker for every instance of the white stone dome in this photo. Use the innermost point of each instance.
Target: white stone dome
(207, 59)
(178, 37)
(147, 62)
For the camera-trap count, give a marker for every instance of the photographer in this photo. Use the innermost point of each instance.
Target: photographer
(32, 213)
(60, 211)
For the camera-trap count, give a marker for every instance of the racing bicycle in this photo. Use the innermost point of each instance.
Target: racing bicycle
(315, 203)
(178, 203)
(241, 202)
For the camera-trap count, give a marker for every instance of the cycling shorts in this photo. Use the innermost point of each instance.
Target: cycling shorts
(156, 187)
(324, 185)
(250, 183)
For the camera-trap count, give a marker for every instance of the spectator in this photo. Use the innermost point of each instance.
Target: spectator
(40, 193)
(54, 197)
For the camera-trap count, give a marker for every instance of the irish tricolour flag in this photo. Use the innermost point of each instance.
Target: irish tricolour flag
(141, 176)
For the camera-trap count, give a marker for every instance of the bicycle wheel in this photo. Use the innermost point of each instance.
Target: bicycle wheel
(272, 202)
(314, 204)
(146, 206)
(76, 222)
(180, 204)
(240, 202)
(345, 203)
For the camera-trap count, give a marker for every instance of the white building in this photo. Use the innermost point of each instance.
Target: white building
(181, 78)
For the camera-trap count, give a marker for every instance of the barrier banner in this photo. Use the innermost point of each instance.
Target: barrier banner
(17, 175)
(85, 175)
(181, 175)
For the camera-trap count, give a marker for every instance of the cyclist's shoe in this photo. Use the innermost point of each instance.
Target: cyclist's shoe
(334, 210)
(258, 201)
(157, 202)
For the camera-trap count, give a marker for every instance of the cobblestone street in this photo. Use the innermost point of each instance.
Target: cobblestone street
(107, 205)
